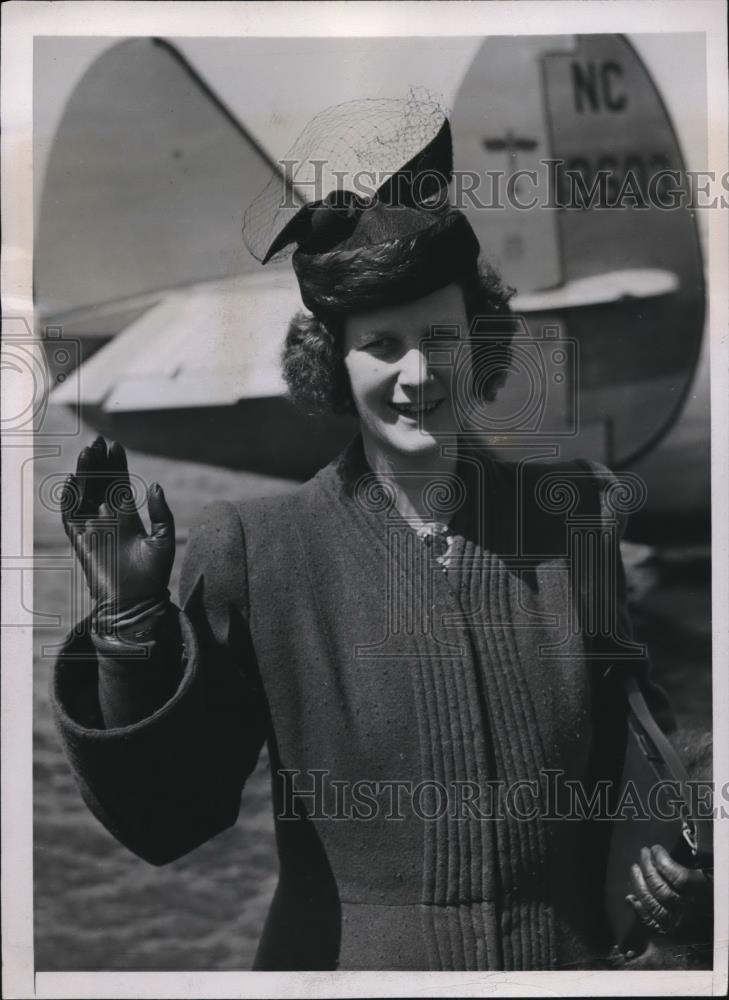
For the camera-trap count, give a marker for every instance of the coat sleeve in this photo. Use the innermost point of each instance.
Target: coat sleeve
(170, 781)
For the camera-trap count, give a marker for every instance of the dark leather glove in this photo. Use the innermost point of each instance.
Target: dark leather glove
(126, 568)
(667, 897)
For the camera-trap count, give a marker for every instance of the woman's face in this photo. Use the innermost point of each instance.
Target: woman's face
(405, 404)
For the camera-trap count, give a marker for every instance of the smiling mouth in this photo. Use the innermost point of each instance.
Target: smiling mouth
(416, 409)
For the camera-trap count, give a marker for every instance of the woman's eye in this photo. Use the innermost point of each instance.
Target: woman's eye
(380, 344)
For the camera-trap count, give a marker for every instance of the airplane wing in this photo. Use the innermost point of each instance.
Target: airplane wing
(197, 376)
(213, 343)
(599, 289)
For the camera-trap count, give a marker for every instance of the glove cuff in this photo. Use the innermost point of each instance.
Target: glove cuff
(112, 621)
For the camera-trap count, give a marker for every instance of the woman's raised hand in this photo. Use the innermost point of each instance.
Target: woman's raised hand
(124, 565)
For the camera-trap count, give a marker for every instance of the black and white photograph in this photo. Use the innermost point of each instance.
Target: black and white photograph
(365, 565)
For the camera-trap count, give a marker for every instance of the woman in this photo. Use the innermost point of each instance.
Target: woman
(398, 630)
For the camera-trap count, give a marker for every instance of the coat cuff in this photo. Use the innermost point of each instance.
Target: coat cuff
(91, 690)
(162, 785)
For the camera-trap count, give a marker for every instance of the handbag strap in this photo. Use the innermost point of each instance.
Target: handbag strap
(663, 745)
(694, 833)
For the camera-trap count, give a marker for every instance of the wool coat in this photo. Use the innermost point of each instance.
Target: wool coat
(414, 717)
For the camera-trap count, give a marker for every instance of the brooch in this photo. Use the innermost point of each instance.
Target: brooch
(436, 537)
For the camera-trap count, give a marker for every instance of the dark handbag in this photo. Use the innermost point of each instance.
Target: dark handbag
(649, 758)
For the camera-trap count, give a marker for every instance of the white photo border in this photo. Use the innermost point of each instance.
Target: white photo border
(22, 21)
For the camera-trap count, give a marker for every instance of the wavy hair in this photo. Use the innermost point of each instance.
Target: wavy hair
(313, 354)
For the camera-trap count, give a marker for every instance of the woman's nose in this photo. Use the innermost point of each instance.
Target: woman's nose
(414, 369)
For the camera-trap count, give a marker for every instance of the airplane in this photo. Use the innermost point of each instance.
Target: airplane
(625, 287)
(180, 347)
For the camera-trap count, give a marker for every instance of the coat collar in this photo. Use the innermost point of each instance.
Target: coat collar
(476, 500)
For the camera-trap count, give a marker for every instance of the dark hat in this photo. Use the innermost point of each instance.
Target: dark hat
(352, 257)
(354, 253)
